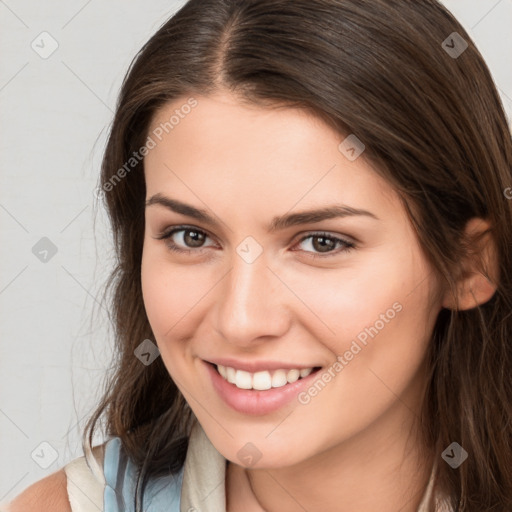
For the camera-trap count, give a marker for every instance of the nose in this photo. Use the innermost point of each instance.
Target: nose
(253, 304)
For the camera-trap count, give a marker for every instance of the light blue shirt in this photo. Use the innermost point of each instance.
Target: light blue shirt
(162, 494)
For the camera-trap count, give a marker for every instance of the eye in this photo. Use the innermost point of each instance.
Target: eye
(192, 239)
(324, 243)
(189, 237)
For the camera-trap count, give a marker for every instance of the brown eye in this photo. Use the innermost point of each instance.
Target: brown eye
(184, 239)
(324, 244)
(193, 238)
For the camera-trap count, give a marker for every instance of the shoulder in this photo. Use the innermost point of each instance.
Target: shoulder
(47, 495)
(75, 487)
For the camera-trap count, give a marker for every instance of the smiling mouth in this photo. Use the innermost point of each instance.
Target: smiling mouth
(262, 380)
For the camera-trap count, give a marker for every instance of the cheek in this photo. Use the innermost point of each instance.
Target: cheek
(378, 317)
(175, 297)
(382, 331)
(164, 295)
(344, 302)
(169, 290)
(168, 295)
(159, 300)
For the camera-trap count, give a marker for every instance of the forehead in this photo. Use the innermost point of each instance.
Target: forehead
(223, 148)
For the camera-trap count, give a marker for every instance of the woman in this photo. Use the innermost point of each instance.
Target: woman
(313, 291)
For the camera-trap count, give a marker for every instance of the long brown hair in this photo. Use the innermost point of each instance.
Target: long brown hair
(433, 126)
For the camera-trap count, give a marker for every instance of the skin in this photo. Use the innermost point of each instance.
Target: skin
(46, 495)
(245, 165)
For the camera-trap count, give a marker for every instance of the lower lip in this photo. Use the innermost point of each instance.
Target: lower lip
(256, 402)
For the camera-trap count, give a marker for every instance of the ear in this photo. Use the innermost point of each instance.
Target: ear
(478, 278)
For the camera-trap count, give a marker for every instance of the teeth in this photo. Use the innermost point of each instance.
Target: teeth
(279, 379)
(243, 380)
(222, 371)
(293, 375)
(262, 380)
(305, 372)
(230, 374)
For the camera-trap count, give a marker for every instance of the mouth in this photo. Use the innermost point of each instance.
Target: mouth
(262, 380)
(261, 392)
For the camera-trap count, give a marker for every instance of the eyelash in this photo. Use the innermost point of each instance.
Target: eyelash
(174, 247)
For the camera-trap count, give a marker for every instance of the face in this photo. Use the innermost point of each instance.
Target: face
(253, 285)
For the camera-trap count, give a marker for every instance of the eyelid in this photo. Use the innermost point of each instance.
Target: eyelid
(328, 234)
(307, 233)
(167, 232)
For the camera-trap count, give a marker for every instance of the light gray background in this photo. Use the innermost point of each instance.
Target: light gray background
(54, 114)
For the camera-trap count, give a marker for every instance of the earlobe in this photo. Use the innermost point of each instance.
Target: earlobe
(478, 278)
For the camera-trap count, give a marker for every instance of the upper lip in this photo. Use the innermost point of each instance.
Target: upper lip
(257, 366)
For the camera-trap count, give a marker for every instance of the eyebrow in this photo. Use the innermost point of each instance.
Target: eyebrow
(277, 223)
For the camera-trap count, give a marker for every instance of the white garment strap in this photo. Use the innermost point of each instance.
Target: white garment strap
(86, 484)
(203, 486)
